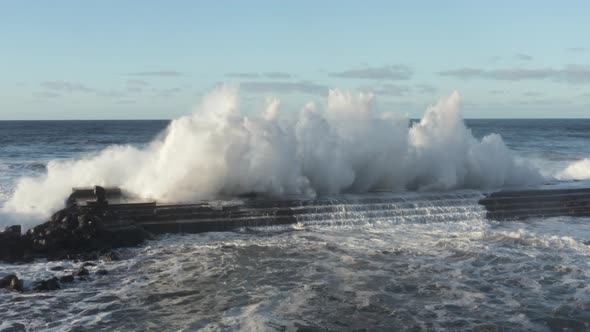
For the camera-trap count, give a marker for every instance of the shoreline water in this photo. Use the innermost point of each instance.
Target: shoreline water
(428, 267)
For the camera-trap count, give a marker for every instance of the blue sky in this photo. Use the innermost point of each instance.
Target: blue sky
(155, 59)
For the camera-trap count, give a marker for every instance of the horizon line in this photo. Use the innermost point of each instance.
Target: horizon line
(170, 119)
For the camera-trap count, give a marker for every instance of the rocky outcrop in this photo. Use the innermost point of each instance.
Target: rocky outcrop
(102, 272)
(11, 282)
(69, 233)
(47, 285)
(82, 272)
(66, 279)
(12, 246)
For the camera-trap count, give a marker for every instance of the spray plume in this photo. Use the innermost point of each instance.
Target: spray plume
(348, 147)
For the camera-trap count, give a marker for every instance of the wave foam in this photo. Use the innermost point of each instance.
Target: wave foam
(579, 170)
(349, 146)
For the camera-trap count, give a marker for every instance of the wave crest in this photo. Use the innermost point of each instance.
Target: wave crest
(348, 146)
(578, 170)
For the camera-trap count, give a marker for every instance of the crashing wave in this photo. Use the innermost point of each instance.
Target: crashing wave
(347, 147)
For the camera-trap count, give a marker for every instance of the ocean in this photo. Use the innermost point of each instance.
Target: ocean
(432, 262)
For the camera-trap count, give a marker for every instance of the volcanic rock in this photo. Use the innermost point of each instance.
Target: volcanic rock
(82, 272)
(11, 282)
(70, 233)
(566, 324)
(111, 256)
(46, 285)
(102, 272)
(16, 327)
(11, 244)
(66, 279)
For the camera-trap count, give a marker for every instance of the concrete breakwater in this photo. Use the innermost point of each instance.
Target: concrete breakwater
(98, 219)
(542, 203)
(423, 207)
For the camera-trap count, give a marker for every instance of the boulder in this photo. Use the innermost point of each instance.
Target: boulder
(566, 324)
(66, 279)
(12, 246)
(46, 285)
(16, 285)
(5, 281)
(71, 233)
(16, 327)
(14, 229)
(102, 272)
(11, 282)
(485, 328)
(69, 229)
(69, 222)
(110, 256)
(82, 272)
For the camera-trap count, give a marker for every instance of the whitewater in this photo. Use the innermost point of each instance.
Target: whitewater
(222, 151)
(403, 244)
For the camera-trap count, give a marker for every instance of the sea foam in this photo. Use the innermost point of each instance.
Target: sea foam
(346, 146)
(578, 170)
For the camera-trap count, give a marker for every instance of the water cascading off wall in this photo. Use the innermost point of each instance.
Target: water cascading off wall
(347, 147)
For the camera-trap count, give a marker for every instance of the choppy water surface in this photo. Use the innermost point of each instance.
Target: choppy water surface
(431, 262)
(457, 271)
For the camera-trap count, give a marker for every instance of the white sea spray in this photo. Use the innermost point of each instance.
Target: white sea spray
(349, 146)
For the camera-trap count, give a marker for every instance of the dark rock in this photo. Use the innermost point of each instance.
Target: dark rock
(76, 256)
(305, 328)
(101, 205)
(111, 256)
(66, 231)
(52, 284)
(11, 282)
(11, 244)
(14, 229)
(16, 285)
(81, 272)
(16, 327)
(102, 272)
(100, 194)
(565, 324)
(89, 256)
(59, 215)
(84, 219)
(71, 201)
(485, 328)
(88, 264)
(66, 279)
(56, 268)
(69, 222)
(5, 281)
(563, 310)
(70, 233)
(46, 285)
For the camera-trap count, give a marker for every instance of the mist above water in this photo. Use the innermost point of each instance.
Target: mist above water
(348, 146)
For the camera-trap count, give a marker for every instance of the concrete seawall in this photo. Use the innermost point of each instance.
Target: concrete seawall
(99, 219)
(253, 212)
(507, 205)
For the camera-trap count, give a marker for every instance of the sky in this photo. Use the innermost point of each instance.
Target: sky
(156, 59)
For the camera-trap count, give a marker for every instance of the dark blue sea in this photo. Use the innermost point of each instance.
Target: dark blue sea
(433, 263)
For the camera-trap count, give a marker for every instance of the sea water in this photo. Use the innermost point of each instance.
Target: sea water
(432, 262)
